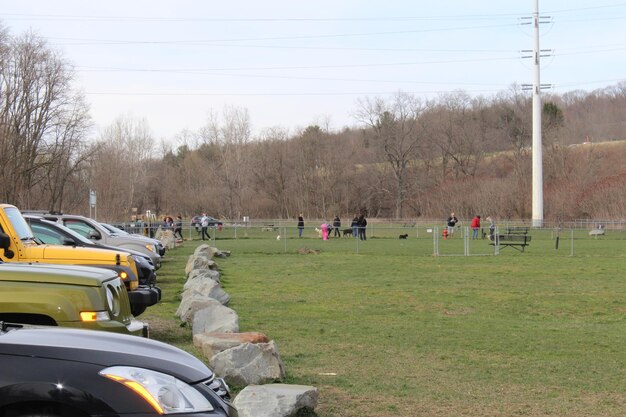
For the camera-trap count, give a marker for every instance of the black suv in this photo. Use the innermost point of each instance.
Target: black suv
(55, 372)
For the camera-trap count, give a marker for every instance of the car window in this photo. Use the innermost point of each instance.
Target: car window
(79, 227)
(50, 237)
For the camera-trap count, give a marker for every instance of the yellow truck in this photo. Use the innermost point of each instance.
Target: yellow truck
(18, 244)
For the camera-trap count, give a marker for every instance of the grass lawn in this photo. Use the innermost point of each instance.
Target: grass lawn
(394, 331)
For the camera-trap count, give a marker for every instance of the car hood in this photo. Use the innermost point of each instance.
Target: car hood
(57, 274)
(104, 349)
(53, 253)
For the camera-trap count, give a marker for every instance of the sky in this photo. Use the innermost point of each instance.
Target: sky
(291, 63)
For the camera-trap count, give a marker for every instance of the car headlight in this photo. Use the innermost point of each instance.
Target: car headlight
(166, 394)
(151, 247)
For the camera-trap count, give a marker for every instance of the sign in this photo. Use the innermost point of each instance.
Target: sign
(92, 198)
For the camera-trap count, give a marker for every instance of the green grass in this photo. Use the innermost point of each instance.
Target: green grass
(405, 333)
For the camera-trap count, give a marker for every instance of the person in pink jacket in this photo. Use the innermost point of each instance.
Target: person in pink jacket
(325, 231)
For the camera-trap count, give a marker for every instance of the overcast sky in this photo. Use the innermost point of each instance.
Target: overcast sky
(294, 63)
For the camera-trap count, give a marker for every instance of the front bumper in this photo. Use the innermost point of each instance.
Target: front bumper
(144, 296)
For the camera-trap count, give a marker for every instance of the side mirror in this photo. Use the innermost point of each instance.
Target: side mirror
(5, 243)
(95, 235)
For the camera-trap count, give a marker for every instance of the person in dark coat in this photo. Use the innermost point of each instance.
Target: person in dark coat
(337, 226)
(361, 225)
(178, 227)
(300, 225)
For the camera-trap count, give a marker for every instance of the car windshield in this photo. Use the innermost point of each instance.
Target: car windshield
(19, 224)
(114, 229)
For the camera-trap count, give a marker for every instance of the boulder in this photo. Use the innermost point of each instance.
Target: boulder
(213, 343)
(204, 274)
(207, 288)
(193, 303)
(215, 318)
(211, 252)
(275, 400)
(199, 262)
(249, 364)
(166, 237)
(205, 250)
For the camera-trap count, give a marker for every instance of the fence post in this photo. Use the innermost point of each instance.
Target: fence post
(436, 241)
(572, 244)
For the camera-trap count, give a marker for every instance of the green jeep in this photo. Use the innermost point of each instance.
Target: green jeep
(68, 296)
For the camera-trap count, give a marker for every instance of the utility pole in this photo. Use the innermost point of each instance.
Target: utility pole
(537, 220)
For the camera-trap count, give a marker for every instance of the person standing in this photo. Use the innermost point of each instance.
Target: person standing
(300, 225)
(492, 227)
(337, 226)
(362, 224)
(475, 226)
(178, 229)
(204, 225)
(452, 221)
(355, 225)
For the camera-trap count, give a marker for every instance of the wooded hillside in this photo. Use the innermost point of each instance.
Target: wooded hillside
(406, 157)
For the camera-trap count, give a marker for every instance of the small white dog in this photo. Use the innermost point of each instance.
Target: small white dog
(319, 232)
(278, 237)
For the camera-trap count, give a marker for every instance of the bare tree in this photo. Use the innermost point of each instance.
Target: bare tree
(40, 115)
(396, 130)
(229, 137)
(120, 167)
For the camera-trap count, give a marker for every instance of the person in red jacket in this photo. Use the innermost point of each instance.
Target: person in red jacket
(475, 226)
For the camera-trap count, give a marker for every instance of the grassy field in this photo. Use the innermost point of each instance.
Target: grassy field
(388, 329)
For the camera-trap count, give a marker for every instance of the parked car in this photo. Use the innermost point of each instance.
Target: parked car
(68, 296)
(53, 233)
(213, 222)
(55, 372)
(17, 244)
(116, 230)
(94, 231)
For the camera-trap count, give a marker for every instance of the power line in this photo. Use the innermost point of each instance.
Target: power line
(339, 66)
(35, 16)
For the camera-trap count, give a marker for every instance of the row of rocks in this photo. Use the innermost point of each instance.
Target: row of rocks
(246, 359)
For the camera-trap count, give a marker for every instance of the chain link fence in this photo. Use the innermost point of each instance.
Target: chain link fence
(418, 237)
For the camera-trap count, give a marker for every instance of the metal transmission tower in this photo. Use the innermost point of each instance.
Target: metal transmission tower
(537, 220)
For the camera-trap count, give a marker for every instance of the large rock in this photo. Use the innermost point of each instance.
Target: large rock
(249, 364)
(210, 252)
(193, 303)
(215, 318)
(205, 250)
(204, 274)
(213, 343)
(275, 400)
(199, 262)
(166, 237)
(205, 288)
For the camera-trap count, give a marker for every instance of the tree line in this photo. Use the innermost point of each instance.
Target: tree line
(406, 156)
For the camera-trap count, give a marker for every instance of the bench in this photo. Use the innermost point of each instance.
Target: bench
(268, 228)
(516, 230)
(516, 241)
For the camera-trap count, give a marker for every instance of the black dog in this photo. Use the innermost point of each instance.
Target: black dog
(404, 236)
(347, 232)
